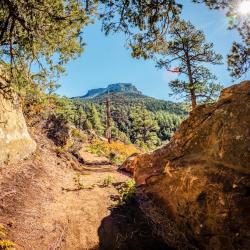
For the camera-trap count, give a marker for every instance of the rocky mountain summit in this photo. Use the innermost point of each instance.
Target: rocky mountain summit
(196, 189)
(112, 88)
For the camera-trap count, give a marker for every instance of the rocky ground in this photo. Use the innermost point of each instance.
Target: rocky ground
(49, 202)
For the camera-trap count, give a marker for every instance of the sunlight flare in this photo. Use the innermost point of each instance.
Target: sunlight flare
(244, 7)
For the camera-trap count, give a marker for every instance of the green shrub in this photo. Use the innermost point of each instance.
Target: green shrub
(79, 135)
(127, 192)
(60, 150)
(107, 181)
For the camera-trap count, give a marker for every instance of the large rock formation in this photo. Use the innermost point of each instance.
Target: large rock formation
(197, 188)
(15, 141)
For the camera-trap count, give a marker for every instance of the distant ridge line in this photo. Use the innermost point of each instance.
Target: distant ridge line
(128, 88)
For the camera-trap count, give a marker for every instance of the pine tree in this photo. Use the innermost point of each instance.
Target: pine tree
(116, 134)
(187, 48)
(143, 22)
(87, 125)
(144, 128)
(95, 120)
(108, 132)
(81, 117)
(64, 109)
(167, 123)
(32, 32)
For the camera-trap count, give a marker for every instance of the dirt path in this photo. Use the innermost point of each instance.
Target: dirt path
(40, 212)
(49, 202)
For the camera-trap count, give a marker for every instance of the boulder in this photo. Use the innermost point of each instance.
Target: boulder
(196, 189)
(15, 141)
(129, 164)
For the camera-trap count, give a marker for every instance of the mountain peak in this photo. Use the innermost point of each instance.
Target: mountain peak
(112, 88)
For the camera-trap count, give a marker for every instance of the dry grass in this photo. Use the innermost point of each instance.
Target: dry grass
(116, 151)
(44, 215)
(4, 243)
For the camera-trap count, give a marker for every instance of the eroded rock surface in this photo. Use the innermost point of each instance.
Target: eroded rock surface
(15, 141)
(197, 188)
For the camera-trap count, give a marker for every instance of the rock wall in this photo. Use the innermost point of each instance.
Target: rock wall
(15, 141)
(196, 189)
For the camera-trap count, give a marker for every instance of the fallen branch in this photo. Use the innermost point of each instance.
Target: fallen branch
(76, 189)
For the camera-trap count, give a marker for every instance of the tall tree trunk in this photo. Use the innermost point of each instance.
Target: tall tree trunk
(193, 98)
(108, 120)
(191, 82)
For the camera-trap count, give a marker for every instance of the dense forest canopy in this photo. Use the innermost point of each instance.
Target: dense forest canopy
(137, 119)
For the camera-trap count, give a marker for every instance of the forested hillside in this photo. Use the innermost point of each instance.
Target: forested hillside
(134, 118)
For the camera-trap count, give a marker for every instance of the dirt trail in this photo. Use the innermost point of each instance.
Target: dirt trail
(49, 203)
(40, 212)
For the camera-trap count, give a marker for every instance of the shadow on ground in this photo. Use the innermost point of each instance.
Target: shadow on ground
(127, 228)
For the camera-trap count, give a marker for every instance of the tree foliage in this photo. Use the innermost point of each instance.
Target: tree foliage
(144, 22)
(41, 36)
(49, 33)
(144, 128)
(168, 124)
(94, 118)
(187, 48)
(239, 59)
(139, 119)
(46, 34)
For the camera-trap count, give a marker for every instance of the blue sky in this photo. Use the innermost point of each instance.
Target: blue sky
(106, 60)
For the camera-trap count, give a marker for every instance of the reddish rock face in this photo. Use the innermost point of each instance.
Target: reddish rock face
(198, 186)
(130, 164)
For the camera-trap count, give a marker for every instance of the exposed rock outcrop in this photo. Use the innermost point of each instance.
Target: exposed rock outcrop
(130, 164)
(15, 141)
(197, 188)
